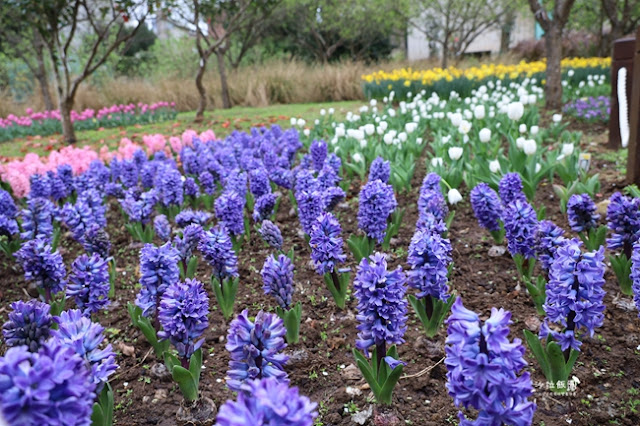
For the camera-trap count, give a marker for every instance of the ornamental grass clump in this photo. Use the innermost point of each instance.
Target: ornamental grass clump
(266, 402)
(29, 324)
(277, 278)
(623, 219)
(183, 314)
(485, 369)
(382, 317)
(583, 219)
(327, 254)
(255, 348)
(488, 210)
(429, 258)
(217, 249)
(574, 308)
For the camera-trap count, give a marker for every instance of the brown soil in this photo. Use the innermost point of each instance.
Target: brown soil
(322, 363)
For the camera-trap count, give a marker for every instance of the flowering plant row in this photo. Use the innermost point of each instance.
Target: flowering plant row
(49, 122)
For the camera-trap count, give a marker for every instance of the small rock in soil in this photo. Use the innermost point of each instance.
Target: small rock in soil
(361, 417)
(126, 349)
(352, 391)
(159, 396)
(160, 371)
(297, 356)
(386, 419)
(351, 372)
(624, 303)
(433, 348)
(202, 412)
(532, 323)
(32, 289)
(497, 251)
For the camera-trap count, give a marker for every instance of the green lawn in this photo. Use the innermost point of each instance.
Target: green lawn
(222, 122)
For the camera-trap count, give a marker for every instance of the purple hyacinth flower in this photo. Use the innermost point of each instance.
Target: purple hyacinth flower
(331, 197)
(377, 202)
(229, 211)
(29, 324)
(191, 188)
(486, 207)
(89, 283)
(635, 275)
(40, 186)
(7, 205)
(158, 270)
(162, 227)
(271, 234)
(217, 249)
(256, 349)
(510, 189)
(43, 266)
(188, 242)
(623, 219)
(520, 225)
(549, 237)
(309, 208)
(96, 241)
(277, 279)
(429, 258)
(50, 387)
(8, 226)
(170, 187)
(259, 182)
(207, 182)
(326, 244)
(382, 307)
(188, 217)
(183, 314)
(267, 401)
(582, 212)
(79, 333)
(139, 207)
(318, 150)
(263, 207)
(380, 169)
(575, 293)
(37, 219)
(485, 368)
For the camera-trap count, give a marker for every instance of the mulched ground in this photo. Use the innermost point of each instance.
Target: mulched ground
(322, 365)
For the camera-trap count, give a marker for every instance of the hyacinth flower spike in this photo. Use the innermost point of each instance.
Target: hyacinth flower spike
(623, 219)
(327, 254)
(583, 219)
(574, 308)
(487, 208)
(429, 258)
(382, 313)
(277, 278)
(520, 225)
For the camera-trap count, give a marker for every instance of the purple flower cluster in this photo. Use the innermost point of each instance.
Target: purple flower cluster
(8, 213)
(191, 188)
(510, 189)
(377, 202)
(548, 238)
(259, 182)
(277, 279)
(188, 217)
(183, 313)
(271, 234)
(309, 208)
(158, 270)
(263, 207)
(215, 245)
(318, 151)
(483, 367)
(582, 213)
(635, 275)
(255, 349)
(43, 266)
(139, 207)
(429, 258)
(229, 211)
(380, 169)
(326, 244)
(169, 186)
(50, 387)
(188, 242)
(162, 227)
(89, 283)
(432, 207)
(574, 294)
(623, 219)
(37, 219)
(79, 333)
(486, 206)
(382, 308)
(96, 241)
(267, 402)
(29, 324)
(590, 109)
(520, 225)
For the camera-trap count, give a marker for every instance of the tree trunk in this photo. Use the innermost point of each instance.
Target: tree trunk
(445, 52)
(226, 100)
(43, 82)
(201, 90)
(66, 105)
(506, 30)
(553, 85)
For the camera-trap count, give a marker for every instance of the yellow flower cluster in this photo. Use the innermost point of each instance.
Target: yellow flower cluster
(430, 76)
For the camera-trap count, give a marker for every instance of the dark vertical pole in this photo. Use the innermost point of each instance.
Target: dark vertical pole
(633, 162)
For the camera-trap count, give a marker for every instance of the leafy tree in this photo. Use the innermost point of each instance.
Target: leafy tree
(624, 16)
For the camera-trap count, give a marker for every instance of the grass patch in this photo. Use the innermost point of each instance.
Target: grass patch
(222, 122)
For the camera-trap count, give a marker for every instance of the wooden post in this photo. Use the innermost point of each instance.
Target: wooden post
(633, 161)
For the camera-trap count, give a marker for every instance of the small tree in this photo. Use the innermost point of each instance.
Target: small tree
(62, 23)
(553, 26)
(624, 16)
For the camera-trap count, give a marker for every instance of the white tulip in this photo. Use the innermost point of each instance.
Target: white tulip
(419, 141)
(293, 121)
(570, 73)
(358, 158)
(369, 129)
(534, 130)
(388, 138)
(515, 111)
(538, 167)
(479, 112)
(485, 135)
(454, 196)
(331, 111)
(323, 111)
(391, 112)
(456, 119)
(306, 132)
(301, 122)
(363, 143)
(557, 118)
(455, 152)
(494, 166)
(520, 142)
(532, 99)
(383, 125)
(464, 127)
(373, 102)
(567, 149)
(436, 162)
(402, 137)
(410, 127)
(530, 147)
(522, 128)
(340, 132)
